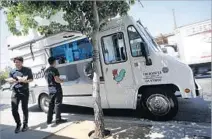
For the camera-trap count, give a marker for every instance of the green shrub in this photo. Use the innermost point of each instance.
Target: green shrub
(3, 75)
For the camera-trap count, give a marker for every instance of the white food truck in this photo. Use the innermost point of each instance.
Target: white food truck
(134, 72)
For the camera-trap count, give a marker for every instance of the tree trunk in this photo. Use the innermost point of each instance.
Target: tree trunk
(98, 113)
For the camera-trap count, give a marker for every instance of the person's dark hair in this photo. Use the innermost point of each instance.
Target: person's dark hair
(19, 59)
(51, 60)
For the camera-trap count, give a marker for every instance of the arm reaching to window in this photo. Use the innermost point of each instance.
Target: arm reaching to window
(56, 76)
(58, 80)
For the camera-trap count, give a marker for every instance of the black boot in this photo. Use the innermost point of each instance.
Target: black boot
(25, 128)
(18, 128)
(49, 122)
(61, 121)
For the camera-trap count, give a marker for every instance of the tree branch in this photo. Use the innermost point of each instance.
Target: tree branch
(82, 2)
(69, 2)
(96, 16)
(104, 20)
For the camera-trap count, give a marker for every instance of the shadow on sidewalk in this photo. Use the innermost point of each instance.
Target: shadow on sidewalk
(53, 136)
(60, 137)
(7, 132)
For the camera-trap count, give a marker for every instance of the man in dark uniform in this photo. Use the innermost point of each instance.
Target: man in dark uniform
(55, 92)
(20, 92)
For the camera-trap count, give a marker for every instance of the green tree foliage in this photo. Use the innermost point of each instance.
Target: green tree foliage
(3, 75)
(78, 14)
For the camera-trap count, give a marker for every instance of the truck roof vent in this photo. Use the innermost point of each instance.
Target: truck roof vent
(69, 36)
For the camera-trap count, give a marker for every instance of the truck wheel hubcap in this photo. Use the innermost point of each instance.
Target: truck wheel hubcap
(45, 103)
(158, 104)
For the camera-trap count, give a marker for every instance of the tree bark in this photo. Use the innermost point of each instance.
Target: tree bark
(98, 113)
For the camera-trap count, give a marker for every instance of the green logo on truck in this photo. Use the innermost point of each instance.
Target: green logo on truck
(118, 77)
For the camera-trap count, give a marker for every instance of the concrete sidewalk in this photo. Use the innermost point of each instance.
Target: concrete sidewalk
(122, 130)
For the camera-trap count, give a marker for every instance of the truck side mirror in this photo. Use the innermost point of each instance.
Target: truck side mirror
(88, 70)
(164, 50)
(145, 53)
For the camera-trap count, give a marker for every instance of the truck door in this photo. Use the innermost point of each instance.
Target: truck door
(117, 70)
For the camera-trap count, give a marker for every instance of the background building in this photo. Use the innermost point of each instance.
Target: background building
(163, 38)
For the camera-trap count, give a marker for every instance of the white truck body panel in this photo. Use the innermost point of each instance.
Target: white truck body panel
(194, 42)
(172, 40)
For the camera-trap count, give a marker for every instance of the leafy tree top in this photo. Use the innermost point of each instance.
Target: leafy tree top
(78, 14)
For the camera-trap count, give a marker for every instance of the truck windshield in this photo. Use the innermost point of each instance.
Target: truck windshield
(148, 36)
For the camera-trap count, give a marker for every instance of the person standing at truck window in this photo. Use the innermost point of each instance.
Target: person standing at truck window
(55, 92)
(20, 92)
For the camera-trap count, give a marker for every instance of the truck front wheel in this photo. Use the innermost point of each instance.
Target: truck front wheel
(159, 104)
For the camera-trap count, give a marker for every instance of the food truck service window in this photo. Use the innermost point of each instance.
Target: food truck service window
(114, 48)
(72, 51)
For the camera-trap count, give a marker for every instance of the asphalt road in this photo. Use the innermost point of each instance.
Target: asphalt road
(205, 83)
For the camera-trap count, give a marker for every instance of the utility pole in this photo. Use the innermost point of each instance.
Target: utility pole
(175, 23)
(0, 37)
(141, 3)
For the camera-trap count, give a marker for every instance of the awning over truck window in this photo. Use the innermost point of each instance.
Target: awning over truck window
(42, 43)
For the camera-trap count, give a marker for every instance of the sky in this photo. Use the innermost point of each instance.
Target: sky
(158, 16)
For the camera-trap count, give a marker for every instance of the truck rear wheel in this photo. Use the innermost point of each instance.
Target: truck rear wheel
(44, 102)
(159, 104)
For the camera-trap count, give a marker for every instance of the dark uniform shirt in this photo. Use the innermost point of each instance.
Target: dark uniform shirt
(21, 88)
(53, 86)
